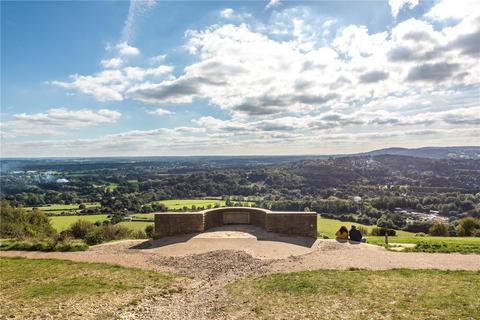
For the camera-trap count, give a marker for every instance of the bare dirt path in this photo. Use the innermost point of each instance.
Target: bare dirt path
(217, 258)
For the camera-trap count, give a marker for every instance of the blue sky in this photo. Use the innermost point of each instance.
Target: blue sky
(249, 77)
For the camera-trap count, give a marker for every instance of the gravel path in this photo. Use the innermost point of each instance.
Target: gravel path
(216, 259)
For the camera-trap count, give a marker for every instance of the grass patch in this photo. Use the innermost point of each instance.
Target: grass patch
(43, 245)
(136, 225)
(59, 208)
(359, 294)
(181, 203)
(108, 187)
(433, 244)
(61, 223)
(65, 289)
(427, 243)
(328, 227)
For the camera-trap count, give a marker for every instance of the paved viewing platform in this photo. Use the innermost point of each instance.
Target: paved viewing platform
(291, 223)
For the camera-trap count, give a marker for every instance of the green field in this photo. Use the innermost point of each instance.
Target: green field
(358, 294)
(107, 187)
(61, 223)
(30, 288)
(427, 243)
(136, 225)
(180, 203)
(59, 208)
(432, 244)
(328, 227)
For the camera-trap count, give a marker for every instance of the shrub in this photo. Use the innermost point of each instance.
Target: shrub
(150, 231)
(363, 230)
(81, 228)
(139, 234)
(467, 226)
(376, 231)
(94, 236)
(43, 245)
(17, 222)
(420, 234)
(438, 229)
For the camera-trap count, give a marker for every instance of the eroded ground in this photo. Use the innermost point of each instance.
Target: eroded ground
(214, 259)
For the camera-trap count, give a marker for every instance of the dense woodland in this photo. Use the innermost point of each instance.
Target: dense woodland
(369, 189)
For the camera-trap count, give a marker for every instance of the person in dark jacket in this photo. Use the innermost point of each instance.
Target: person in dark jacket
(355, 234)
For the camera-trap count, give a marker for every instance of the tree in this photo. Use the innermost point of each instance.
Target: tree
(16, 222)
(466, 226)
(438, 229)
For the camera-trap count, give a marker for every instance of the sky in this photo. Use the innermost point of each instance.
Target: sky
(159, 78)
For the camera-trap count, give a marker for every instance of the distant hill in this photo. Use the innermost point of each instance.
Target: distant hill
(468, 152)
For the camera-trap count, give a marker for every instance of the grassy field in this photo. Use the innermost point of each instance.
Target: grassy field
(359, 294)
(433, 244)
(61, 223)
(59, 208)
(65, 289)
(180, 203)
(328, 227)
(136, 225)
(107, 187)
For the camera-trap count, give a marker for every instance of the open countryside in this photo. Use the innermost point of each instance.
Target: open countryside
(240, 160)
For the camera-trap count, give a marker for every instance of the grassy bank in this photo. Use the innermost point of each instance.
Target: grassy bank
(426, 243)
(42, 245)
(359, 294)
(328, 227)
(432, 244)
(66, 289)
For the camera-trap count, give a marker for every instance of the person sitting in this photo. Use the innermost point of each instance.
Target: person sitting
(342, 233)
(355, 234)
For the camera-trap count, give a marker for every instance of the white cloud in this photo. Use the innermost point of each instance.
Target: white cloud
(454, 9)
(159, 112)
(296, 86)
(227, 13)
(397, 5)
(110, 85)
(111, 63)
(54, 120)
(272, 4)
(125, 49)
(157, 59)
(136, 9)
(246, 72)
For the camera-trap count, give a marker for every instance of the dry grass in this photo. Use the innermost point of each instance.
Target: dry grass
(74, 290)
(359, 294)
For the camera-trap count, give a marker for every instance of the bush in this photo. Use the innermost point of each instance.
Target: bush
(43, 245)
(438, 229)
(466, 226)
(94, 236)
(139, 234)
(363, 230)
(81, 228)
(150, 231)
(17, 222)
(112, 232)
(376, 231)
(420, 234)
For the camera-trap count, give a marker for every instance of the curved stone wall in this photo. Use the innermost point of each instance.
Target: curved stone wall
(296, 223)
